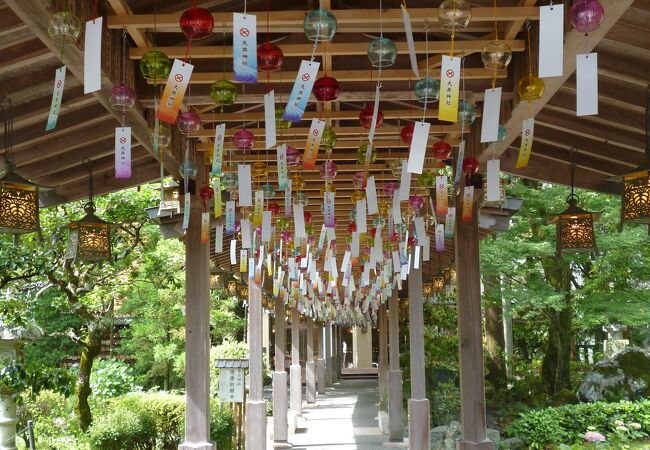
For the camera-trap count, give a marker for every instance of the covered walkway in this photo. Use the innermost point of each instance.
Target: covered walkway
(343, 418)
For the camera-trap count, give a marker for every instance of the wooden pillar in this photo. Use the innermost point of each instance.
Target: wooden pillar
(320, 363)
(383, 358)
(295, 370)
(197, 329)
(310, 365)
(395, 406)
(470, 326)
(280, 421)
(328, 354)
(255, 407)
(419, 432)
(335, 353)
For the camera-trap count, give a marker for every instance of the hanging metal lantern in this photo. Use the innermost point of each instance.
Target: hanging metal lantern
(89, 239)
(269, 57)
(223, 92)
(320, 25)
(454, 15)
(575, 228)
(64, 28)
(155, 66)
(197, 23)
(427, 90)
(438, 284)
(382, 52)
(170, 199)
(326, 89)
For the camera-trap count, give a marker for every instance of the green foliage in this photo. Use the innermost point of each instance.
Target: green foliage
(13, 379)
(112, 378)
(568, 424)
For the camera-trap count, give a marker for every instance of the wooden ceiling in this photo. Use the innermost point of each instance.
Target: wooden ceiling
(608, 144)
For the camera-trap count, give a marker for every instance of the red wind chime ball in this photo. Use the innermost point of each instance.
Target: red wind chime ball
(274, 208)
(365, 117)
(326, 89)
(352, 227)
(206, 193)
(407, 133)
(307, 216)
(470, 165)
(441, 150)
(269, 57)
(197, 23)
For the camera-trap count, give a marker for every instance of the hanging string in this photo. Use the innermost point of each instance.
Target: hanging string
(530, 68)
(95, 9)
(123, 71)
(426, 50)
(453, 33)
(496, 38)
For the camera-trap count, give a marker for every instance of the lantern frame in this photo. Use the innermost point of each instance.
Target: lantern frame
(635, 198)
(575, 228)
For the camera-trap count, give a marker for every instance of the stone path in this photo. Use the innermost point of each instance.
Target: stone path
(345, 418)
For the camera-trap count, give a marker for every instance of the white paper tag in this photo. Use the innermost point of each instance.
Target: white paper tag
(450, 222)
(299, 221)
(416, 257)
(245, 189)
(419, 230)
(362, 226)
(329, 206)
(397, 213)
(269, 119)
(373, 123)
(244, 47)
(321, 238)
(93, 56)
(371, 196)
(205, 228)
(491, 112)
(233, 252)
(218, 239)
(57, 96)
(283, 175)
(245, 225)
(266, 226)
(313, 143)
(440, 237)
(355, 244)
(587, 84)
(426, 249)
(405, 183)
(409, 40)
(230, 217)
(418, 147)
(287, 200)
(459, 163)
(217, 149)
(551, 40)
(186, 211)
(123, 152)
(493, 180)
(301, 91)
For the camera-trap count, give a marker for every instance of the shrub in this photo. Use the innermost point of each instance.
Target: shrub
(111, 378)
(568, 424)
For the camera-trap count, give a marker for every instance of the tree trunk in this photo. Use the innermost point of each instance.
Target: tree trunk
(91, 349)
(494, 338)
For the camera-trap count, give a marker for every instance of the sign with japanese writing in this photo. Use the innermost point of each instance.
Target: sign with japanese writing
(301, 91)
(205, 228)
(328, 208)
(527, 131)
(442, 195)
(218, 204)
(172, 96)
(287, 200)
(57, 96)
(217, 149)
(283, 175)
(244, 49)
(313, 143)
(440, 237)
(123, 152)
(186, 210)
(231, 385)
(459, 163)
(468, 203)
(258, 208)
(93, 56)
(450, 222)
(449, 88)
(230, 217)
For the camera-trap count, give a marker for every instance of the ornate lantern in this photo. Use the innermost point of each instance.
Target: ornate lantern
(19, 207)
(438, 284)
(269, 57)
(382, 52)
(575, 226)
(155, 66)
(326, 89)
(231, 287)
(170, 199)
(89, 239)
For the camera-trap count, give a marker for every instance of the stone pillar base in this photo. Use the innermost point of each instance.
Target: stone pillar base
(255, 425)
(310, 374)
(419, 431)
(200, 446)
(280, 424)
(466, 445)
(320, 375)
(395, 406)
(296, 388)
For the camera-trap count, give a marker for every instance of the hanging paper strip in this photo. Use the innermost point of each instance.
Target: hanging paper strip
(218, 204)
(57, 96)
(93, 56)
(493, 180)
(230, 217)
(217, 155)
(527, 132)
(442, 195)
(416, 257)
(409, 40)
(123, 152)
(287, 200)
(449, 88)
(355, 244)
(419, 230)
(397, 213)
(587, 84)
(243, 260)
(299, 221)
(371, 196)
(468, 203)
(418, 147)
(328, 208)
(301, 91)
(245, 189)
(313, 144)
(426, 249)
(362, 225)
(245, 230)
(258, 209)
(218, 239)
(283, 176)
(186, 211)
(233, 250)
(269, 119)
(205, 228)
(459, 163)
(551, 40)
(244, 47)
(450, 222)
(172, 96)
(491, 112)
(405, 183)
(266, 226)
(321, 238)
(440, 237)
(373, 123)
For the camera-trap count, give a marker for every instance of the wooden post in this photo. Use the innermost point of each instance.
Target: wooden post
(383, 358)
(320, 363)
(419, 432)
(197, 329)
(295, 370)
(280, 421)
(395, 406)
(310, 365)
(328, 354)
(255, 407)
(335, 353)
(470, 326)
